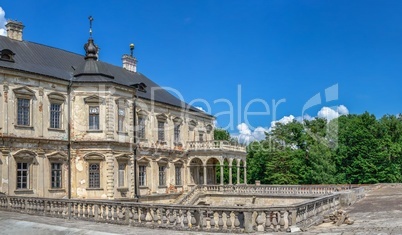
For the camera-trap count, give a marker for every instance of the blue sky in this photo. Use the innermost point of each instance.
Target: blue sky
(273, 50)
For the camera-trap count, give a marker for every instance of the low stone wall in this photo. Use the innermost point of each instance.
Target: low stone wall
(183, 217)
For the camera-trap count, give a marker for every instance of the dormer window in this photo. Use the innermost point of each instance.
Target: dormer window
(7, 55)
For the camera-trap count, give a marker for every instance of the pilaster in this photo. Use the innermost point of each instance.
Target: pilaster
(109, 176)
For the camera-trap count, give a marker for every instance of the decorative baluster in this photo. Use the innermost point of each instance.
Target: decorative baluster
(164, 217)
(172, 218)
(143, 215)
(75, 210)
(148, 216)
(228, 220)
(135, 216)
(185, 219)
(204, 220)
(81, 205)
(275, 220)
(220, 220)
(155, 216)
(259, 221)
(268, 223)
(104, 212)
(85, 208)
(212, 220)
(90, 213)
(193, 221)
(178, 219)
(120, 214)
(114, 213)
(290, 219)
(109, 212)
(282, 221)
(237, 221)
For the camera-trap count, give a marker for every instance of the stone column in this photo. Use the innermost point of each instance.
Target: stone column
(222, 174)
(230, 174)
(245, 173)
(205, 174)
(238, 173)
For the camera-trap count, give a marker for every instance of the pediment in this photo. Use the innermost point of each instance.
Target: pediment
(25, 155)
(161, 117)
(142, 113)
(57, 96)
(24, 91)
(178, 121)
(123, 157)
(57, 156)
(94, 156)
(94, 99)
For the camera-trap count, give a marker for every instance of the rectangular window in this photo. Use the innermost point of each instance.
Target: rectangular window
(201, 137)
(178, 175)
(142, 176)
(161, 131)
(56, 175)
(162, 176)
(141, 128)
(122, 173)
(23, 112)
(94, 175)
(176, 133)
(94, 117)
(55, 116)
(22, 175)
(121, 116)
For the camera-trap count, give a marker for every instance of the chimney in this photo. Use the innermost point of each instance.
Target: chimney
(14, 29)
(129, 61)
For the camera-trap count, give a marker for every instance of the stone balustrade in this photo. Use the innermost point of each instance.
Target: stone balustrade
(181, 217)
(268, 190)
(214, 145)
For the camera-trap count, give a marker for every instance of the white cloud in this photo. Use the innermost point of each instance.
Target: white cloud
(331, 113)
(246, 135)
(3, 22)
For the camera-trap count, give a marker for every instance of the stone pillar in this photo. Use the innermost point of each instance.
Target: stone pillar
(205, 174)
(6, 169)
(222, 174)
(245, 173)
(238, 173)
(230, 174)
(42, 181)
(109, 176)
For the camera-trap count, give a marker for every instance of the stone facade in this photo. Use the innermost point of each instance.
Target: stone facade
(75, 139)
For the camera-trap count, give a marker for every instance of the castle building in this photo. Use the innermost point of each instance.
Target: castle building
(72, 126)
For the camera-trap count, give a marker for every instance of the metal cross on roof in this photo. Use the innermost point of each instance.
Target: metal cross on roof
(90, 25)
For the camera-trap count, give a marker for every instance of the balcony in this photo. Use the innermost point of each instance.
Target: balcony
(214, 145)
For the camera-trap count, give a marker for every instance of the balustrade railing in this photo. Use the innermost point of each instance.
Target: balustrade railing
(267, 190)
(214, 145)
(180, 217)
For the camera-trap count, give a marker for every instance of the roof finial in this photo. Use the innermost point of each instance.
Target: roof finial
(90, 18)
(131, 49)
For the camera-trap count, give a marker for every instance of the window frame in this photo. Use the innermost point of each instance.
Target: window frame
(142, 182)
(56, 99)
(162, 175)
(60, 176)
(178, 180)
(98, 171)
(27, 177)
(94, 101)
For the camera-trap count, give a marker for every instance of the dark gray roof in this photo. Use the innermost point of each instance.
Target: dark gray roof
(45, 60)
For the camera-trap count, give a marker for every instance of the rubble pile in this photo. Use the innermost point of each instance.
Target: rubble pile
(338, 217)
